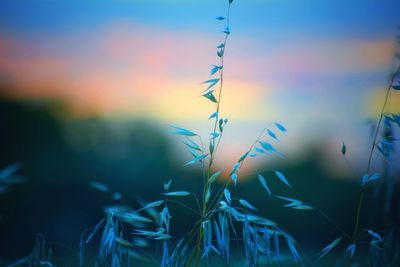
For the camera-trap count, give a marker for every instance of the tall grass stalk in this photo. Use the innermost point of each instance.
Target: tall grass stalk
(373, 147)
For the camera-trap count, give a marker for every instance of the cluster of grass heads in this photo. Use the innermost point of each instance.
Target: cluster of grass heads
(126, 235)
(222, 218)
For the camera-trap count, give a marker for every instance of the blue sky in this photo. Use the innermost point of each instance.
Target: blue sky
(329, 18)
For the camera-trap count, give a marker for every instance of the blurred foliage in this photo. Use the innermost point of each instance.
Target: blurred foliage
(59, 158)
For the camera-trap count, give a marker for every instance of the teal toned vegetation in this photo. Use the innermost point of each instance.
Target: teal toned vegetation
(222, 224)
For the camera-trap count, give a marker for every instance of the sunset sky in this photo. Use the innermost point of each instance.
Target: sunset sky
(317, 66)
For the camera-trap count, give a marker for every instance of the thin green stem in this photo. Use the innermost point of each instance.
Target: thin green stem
(326, 217)
(357, 224)
(388, 90)
(183, 205)
(361, 198)
(219, 195)
(206, 185)
(349, 164)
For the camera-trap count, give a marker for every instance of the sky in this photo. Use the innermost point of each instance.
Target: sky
(319, 67)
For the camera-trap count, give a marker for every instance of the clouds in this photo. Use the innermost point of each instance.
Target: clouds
(119, 68)
(125, 67)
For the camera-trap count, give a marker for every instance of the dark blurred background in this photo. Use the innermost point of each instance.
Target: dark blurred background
(133, 157)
